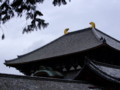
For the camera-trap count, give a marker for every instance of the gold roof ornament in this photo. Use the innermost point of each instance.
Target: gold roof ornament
(66, 31)
(92, 25)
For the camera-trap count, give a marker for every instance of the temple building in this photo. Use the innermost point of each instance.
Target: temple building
(84, 55)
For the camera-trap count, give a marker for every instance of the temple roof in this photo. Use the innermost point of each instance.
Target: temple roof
(106, 72)
(72, 42)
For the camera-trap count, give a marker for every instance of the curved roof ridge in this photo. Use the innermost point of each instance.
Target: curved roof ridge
(91, 65)
(110, 41)
(99, 72)
(108, 35)
(96, 34)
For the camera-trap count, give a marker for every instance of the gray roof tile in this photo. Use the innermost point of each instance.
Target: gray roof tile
(72, 42)
(109, 72)
(114, 72)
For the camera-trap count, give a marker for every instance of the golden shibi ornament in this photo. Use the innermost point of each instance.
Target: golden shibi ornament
(92, 25)
(66, 31)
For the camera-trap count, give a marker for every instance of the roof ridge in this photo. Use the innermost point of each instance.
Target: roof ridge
(99, 37)
(108, 35)
(95, 33)
(80, 30)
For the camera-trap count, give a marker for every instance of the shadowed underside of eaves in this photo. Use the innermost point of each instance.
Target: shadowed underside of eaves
(72, 42)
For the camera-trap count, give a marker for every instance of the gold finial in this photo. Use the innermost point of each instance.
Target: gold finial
(92, 25)
(66, 31)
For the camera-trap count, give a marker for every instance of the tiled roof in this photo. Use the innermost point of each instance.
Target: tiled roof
(107, 72)
(67, 44)
(112, 71)
(16, 82)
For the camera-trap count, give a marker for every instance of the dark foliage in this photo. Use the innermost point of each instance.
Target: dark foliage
(3, 36)
(8, 9)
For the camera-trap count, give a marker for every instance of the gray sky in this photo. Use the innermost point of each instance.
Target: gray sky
(75, 15)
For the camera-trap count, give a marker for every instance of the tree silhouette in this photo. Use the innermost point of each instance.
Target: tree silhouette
(10, 8)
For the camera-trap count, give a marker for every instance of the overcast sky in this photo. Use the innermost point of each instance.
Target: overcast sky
(75, 15)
